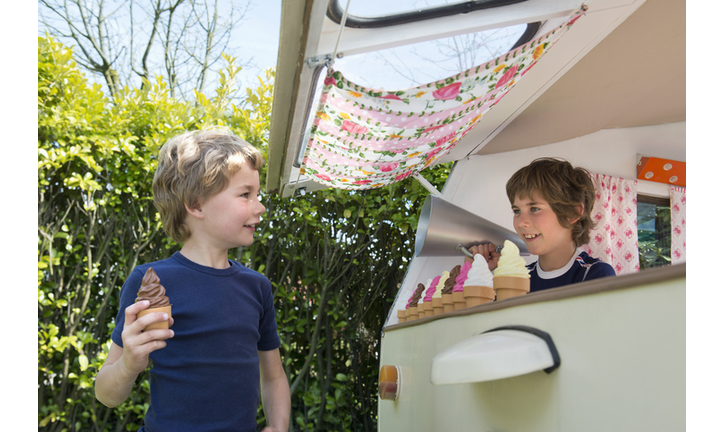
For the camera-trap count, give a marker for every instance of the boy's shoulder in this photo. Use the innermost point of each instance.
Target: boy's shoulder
(594, 265)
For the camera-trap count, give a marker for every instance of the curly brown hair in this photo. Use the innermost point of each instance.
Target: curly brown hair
(564, 187)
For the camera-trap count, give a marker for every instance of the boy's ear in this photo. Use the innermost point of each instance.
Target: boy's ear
(579, 210)
(194, 210)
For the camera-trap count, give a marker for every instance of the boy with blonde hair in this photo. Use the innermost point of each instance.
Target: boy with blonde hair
(552, 203)
(223, 341)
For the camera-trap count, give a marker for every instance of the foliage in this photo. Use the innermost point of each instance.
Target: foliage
(654, 235)
(335, 258)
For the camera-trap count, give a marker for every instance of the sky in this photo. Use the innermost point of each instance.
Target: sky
(258, 37)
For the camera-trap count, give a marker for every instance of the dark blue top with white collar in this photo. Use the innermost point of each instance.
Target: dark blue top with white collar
(581, 267)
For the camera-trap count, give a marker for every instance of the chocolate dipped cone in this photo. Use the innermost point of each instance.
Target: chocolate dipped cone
(477, 295)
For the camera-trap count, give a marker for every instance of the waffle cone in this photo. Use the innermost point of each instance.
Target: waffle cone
(510, 286)
(437, 307)
(163, 325)
(447, 303)
(478, 294)
(511, 282)
(402, 315)
(458, 300)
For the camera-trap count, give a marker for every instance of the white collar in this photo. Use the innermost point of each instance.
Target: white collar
(558, 272)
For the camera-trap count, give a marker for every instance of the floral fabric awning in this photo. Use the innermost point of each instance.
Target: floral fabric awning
(363, 138)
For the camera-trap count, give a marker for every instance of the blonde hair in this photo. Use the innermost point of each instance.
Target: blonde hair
(564, 187)
(194, 166)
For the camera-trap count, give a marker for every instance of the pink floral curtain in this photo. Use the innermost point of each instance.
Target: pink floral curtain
(678, 224)
(615, 237)
(364, 138)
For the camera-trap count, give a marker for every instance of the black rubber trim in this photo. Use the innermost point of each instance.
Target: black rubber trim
(541, 334)
(335, 12)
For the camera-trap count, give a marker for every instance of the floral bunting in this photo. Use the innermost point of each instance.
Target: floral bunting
(364, 138)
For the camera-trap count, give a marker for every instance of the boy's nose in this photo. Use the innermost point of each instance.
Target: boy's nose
(522, 221)
(261, 209)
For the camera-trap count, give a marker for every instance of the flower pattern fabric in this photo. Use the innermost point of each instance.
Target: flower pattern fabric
(678, 224)
(364, 138)
(615, 237)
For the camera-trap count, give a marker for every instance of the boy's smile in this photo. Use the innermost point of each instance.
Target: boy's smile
(537, 224)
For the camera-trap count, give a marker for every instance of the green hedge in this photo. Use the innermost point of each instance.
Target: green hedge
(335, 258)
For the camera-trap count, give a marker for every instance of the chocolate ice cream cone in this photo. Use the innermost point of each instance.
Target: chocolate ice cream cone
(412, 313)
(157, 325)
(510, 286)
(458, 300)
(477, 295)
(447, 303)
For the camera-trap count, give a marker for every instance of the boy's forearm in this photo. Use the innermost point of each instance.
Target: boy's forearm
(113, 384)
(276, 402)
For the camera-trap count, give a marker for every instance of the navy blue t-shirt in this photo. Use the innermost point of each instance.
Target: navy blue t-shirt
(207, 376)
(582, 267)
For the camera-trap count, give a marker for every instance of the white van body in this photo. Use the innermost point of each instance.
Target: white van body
(612, 89)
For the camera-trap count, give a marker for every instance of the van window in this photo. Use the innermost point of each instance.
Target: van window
(424, 62)
(654, 231)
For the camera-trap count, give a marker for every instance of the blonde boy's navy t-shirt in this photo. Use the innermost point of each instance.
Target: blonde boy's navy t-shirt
(207, 376)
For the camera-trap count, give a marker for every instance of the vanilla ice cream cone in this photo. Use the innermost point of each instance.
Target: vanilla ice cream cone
(478, 294)
(158, 325)
(510, 286)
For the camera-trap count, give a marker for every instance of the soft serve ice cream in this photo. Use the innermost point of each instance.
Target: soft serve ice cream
(511, 263)
(479, 273)
(511, 277)
(478, 287)
(152, 290)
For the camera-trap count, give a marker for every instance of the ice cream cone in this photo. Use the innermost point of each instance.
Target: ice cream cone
(447, 303)
(158, 325)
(437, 307)
(412, 313)
(458, 300)
(477, 295)
(428, 309)
(402, 315)
(510, 286)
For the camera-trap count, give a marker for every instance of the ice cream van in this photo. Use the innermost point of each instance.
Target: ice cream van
(600, 83)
